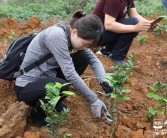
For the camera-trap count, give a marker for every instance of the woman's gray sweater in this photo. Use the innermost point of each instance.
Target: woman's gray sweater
(55, 40)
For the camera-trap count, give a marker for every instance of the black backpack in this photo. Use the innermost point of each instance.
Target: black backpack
(9, 68)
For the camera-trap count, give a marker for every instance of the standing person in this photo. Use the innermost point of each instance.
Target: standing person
(83, 33)
(164, 2)
(120, 30)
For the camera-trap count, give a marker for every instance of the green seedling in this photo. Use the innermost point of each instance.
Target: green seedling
(55, 119)
(141, 40)
(67, 135)
(158, 31)
(12, 36)
(118, 79)
(164, 21)
(159, 94)
(4, 41)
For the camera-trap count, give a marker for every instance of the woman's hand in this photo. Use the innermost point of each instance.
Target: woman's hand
(96, 108)
(107, 88)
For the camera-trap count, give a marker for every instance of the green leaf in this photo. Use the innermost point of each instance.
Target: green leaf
(55, 115)
(47, 97)
(49, 86)
(43, 106)
(68, 93)
(54, 101)
(113, 95)
(118, 88)
(58, 85)
(161, 112)
(65, 111)
(158, 86)
(51, 133)
(115, 81)
(67, 135)
(42, 103)
(154, 96)
(161, 101)
(165, 100)
(122, 97)
(126, 91)
(152, 112)
(66, 84)
(51, 89)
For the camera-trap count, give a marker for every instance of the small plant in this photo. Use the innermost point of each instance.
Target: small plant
(141, 40)
(118, 79)
(12, 36)
(158, 31)
(54, 119)
(159, 94)
(4, 41)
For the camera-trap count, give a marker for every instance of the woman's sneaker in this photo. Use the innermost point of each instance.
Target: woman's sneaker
(60, 107)
(103, 51)
(38, 118)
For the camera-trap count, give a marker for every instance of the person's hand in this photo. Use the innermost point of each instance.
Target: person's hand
(152, 27)
(143, 26)
(107, 88)
(154, 23)
(96, 108)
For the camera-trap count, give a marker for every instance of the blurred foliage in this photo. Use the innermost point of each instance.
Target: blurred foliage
(45, 9)
(142, 39)
(150, 7)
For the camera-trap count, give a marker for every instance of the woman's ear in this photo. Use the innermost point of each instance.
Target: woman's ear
(74, 32)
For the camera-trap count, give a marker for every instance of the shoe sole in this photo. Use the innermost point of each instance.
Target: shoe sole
(99, 53)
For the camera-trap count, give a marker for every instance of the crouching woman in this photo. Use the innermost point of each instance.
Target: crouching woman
(71, 48)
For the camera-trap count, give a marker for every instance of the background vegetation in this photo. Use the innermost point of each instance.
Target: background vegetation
(45, 9)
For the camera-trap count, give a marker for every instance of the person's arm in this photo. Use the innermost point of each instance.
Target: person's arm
(111, 24)
(133, 13)
(95, 64)
(99, 71)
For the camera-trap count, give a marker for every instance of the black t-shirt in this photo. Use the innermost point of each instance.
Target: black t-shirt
(114, 8)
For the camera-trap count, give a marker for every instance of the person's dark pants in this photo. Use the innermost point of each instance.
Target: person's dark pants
(119, 43)
(33, 92)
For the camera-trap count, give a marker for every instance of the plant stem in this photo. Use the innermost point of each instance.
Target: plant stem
(114, 115)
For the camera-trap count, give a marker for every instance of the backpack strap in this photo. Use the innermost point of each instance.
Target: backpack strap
(64, 25)
(33, 65)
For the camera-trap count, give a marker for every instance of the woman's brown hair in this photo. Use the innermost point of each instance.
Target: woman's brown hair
(89, 27)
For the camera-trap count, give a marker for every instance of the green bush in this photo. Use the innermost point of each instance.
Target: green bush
(149, 7)
(45, 9)
(142, 39)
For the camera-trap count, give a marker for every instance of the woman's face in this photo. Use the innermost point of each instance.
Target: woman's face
(79, 43)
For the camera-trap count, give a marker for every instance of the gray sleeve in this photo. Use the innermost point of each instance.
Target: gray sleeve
(95, 64)
(57, 43)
